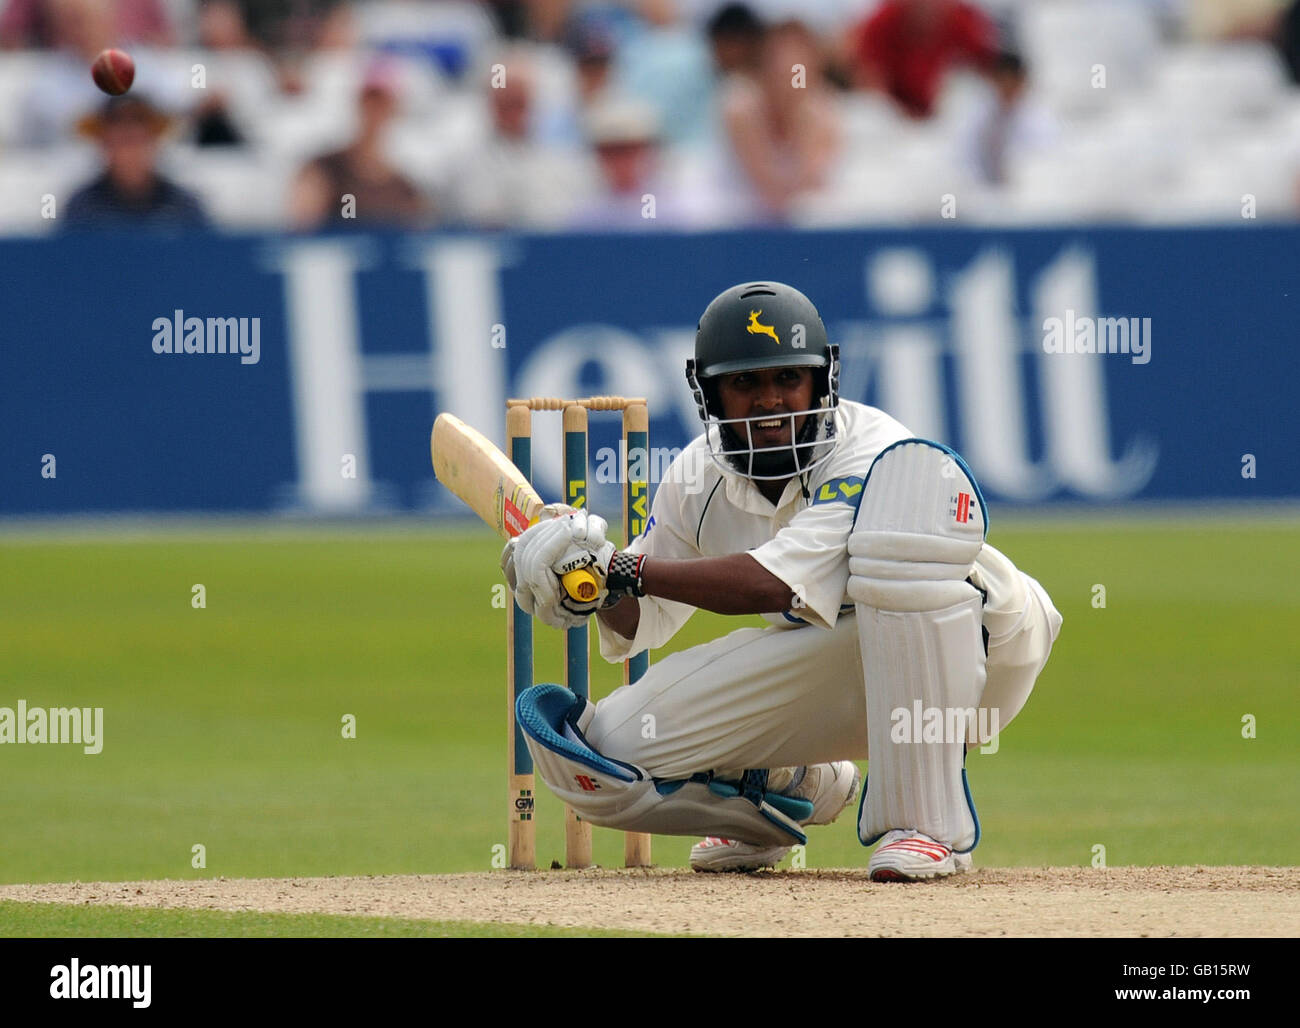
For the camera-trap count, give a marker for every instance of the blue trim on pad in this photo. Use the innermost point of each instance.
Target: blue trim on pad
(862, 799)
(791, 806)
(970, 803)
(979, 495)
(542, 712)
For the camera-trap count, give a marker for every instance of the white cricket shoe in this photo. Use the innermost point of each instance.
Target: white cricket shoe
(908, 856)
(829, 787)
(718, 854)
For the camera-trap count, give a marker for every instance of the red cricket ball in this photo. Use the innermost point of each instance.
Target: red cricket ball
(113, 72)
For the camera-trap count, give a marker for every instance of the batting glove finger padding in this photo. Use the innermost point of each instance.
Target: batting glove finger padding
(540, 547)
(536, 560)
(589, 531)
(580, 557)
(554, 612)
(587, 547)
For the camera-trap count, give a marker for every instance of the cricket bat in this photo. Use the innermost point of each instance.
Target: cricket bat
(468, 464)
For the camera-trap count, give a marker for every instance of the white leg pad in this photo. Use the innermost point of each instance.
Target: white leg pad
(919, 529)
(617, 794)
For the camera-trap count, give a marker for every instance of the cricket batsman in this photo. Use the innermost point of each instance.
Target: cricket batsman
(862, 546)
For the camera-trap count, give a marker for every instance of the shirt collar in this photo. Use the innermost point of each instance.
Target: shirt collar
(743, 493)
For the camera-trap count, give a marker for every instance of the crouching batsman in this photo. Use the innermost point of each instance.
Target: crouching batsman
(896, 634)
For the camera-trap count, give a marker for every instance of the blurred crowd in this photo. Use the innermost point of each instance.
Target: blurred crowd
(649, 114)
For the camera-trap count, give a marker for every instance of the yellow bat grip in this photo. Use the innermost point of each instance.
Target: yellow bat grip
(581, 585)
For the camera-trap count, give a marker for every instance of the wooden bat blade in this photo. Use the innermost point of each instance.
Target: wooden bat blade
(479, 474)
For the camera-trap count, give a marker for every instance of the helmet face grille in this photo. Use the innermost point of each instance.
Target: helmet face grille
(730, 441)
(750, 327)
(731, 445)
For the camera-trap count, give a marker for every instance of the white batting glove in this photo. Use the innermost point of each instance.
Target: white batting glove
(541, 600)
(554, 510)
(552, 611)
(530, 562)
(589, 550)
(547, 513)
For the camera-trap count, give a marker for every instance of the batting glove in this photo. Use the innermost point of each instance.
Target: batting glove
(589, 549)
(555, 613)
(547, 513)
(531, 562)
(542, 599)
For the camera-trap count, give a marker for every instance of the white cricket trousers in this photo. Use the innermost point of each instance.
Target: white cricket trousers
(781, 697)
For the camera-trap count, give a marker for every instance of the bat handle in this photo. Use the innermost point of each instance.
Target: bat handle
(581, 585)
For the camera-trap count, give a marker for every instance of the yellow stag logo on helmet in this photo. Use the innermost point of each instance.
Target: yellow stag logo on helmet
(755, 329)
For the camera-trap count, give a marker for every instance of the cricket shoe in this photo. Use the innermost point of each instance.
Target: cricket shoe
(828, 787)
(908, 856)
(718, 854)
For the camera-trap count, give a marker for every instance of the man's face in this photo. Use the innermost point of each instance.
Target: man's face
(130, 147)
(736, 51)
(510, 109)
(1008, 85)
(377, 107)
(593, 75)
(770, 391)
(783, 48)
(626, 166)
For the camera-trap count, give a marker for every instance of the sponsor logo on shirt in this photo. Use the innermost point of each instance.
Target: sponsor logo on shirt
(838, 490)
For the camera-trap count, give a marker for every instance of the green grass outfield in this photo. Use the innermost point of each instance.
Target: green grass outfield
(222, 726)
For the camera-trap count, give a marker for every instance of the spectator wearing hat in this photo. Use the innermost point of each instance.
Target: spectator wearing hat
(624, 137)
(131, 191)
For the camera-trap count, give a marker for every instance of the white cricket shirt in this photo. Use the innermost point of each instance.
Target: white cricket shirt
(700, 510)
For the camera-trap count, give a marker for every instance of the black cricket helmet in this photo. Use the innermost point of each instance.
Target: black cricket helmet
(751, 327)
